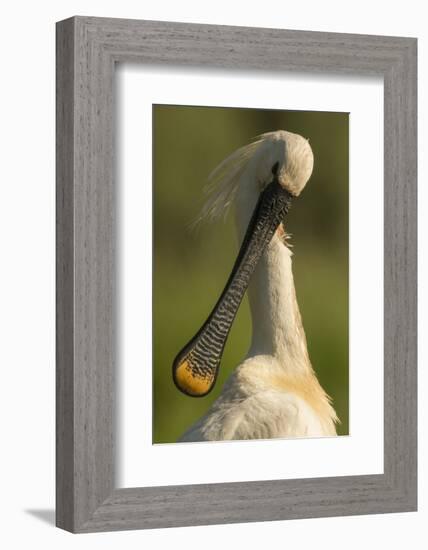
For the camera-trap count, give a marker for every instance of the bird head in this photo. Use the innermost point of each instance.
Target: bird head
(286, 156)
(263, 177)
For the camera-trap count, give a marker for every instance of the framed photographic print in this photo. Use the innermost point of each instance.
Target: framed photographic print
(236, 274)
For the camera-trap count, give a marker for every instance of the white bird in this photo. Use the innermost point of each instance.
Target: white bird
(274, 392)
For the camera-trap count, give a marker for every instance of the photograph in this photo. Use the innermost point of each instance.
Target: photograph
(210, 265)
(250, 274)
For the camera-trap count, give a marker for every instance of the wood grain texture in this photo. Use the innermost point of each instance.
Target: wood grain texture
(64, 278)
(87, 50)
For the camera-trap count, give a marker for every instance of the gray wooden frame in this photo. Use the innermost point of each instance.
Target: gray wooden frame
(87, 50)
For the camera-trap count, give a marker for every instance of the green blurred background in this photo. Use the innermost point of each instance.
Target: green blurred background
(191, 267)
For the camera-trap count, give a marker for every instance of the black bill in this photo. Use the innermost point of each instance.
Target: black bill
(196, 367)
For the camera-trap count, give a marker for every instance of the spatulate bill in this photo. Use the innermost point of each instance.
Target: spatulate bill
(196, 366)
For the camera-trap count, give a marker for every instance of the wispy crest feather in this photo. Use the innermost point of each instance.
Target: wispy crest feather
(223, 182)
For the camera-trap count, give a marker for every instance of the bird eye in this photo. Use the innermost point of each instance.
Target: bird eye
(275, 168)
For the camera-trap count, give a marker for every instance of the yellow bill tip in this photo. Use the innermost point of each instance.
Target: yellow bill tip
(190, 382)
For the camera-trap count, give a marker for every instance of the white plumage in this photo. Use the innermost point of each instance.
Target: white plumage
(274, 392)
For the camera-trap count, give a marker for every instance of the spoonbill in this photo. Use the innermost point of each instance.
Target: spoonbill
(274, 392)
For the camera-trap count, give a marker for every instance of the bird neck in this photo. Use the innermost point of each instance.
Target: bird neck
(276, 320)
(277, 328)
